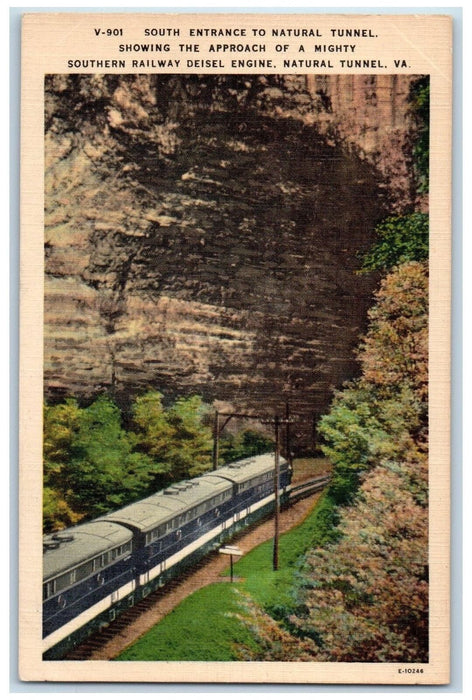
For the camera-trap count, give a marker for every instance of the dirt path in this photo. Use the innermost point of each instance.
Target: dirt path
(206, 574)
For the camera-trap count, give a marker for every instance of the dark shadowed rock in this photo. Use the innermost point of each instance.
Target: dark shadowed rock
(201, 236)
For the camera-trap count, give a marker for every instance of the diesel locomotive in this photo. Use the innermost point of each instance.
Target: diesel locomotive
(95, 570)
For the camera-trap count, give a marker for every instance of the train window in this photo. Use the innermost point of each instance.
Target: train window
(119, 551)
(49, 589)
(62, 582)
(83, 571)
(115, 553)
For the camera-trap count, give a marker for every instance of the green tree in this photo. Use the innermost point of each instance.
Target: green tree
(363, 596)
(104, 471)
(57, 514)
(383, 415)
(244, 443)
(366, 596)
(190, 449)
(405, 238)
(420, 107)
(178, 438)
(150, 419)
(394, 352)
(61, 424)
(400, 239)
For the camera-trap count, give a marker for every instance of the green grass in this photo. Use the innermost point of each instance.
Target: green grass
(272, 589)
(206, 626)
(203, 627)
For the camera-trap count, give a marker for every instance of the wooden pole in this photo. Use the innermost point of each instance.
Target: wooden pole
(276, 492)
(313, 431)
(216, 438)
(288, 446)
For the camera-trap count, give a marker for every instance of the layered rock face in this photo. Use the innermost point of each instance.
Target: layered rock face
(371, 116)
(201, 237)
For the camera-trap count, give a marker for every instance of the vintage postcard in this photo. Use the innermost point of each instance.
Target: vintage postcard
(235, 314)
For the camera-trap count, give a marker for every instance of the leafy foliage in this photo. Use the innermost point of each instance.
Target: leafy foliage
(399, 239)
(394, 354)
(94, 464)
(367, 596)
(420, 103)
(364, 596)
(383, 415)
(405, 238)
(60, 427)
(244, 444)
(104, 472)
(191, 444)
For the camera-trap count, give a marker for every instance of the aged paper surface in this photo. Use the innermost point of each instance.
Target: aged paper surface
(357, 70)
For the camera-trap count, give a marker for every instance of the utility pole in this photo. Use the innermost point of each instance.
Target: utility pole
(276, 422)
(216, 440)
(288, 447)
(275, 559)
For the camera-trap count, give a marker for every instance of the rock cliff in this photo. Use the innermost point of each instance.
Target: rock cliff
(201, 233)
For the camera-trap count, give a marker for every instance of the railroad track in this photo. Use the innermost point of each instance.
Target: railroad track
(96, 642)
(308, 487)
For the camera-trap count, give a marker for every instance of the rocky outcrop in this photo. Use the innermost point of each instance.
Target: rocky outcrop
(371, 115)
(201, 236)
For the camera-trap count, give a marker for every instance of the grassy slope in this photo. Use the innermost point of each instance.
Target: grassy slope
(205, 626)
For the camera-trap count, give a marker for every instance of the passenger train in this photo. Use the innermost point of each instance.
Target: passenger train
(95, 570)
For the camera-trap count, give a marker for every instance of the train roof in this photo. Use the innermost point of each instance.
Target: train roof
(69, 548)
(164, 505)
(248, 468)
